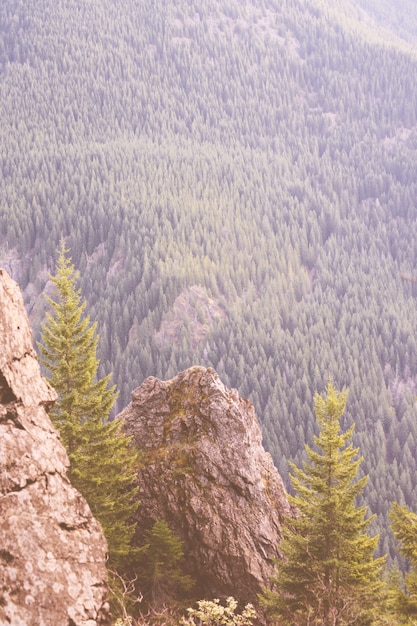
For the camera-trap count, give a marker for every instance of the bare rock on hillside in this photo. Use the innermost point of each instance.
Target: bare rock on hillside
(205, 471)
(52, 550)
(194, 312)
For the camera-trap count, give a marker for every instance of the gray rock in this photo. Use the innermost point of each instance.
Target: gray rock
(204, 470)
(52, 550)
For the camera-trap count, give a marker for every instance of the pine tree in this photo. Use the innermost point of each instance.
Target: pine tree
(329, 575)
(159, 564)
(404, 527)
(102, 464)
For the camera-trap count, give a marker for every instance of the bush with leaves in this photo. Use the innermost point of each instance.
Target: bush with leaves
(212, 613)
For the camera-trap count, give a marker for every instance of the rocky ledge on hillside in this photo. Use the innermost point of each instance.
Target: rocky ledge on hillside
(52, 550)
(204, 470)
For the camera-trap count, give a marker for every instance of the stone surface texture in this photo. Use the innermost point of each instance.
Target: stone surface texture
(52, 550)
(204, 470)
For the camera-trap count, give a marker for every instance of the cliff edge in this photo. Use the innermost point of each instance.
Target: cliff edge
(52, 550)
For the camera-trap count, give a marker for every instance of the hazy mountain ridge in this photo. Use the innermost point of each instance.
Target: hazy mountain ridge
(399, 17)
(273, 165)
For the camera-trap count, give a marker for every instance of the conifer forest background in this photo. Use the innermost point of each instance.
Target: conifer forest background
(237, 183)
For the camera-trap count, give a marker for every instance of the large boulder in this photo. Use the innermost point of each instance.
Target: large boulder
(204, 470)
(52, 550)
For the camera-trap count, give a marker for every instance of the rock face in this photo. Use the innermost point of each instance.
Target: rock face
(205, 472)
(52, 550)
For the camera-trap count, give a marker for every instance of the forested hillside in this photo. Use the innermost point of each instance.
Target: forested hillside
(237, 183)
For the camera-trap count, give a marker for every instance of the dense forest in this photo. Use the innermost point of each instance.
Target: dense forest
(237, 184)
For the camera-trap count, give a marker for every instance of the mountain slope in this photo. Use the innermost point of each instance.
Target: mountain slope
(258, 154)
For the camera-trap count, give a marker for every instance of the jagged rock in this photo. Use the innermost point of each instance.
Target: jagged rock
(52, 550)
(204, 470)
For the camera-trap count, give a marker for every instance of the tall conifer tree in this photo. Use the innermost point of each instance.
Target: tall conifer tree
(102, 464)
(329, 576)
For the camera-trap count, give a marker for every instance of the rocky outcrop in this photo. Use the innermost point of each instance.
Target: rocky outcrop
(205, 472)
(194, 312)
(52, 550)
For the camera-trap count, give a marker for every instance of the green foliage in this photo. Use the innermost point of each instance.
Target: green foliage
(404, 527)
(212, 613)
(329, 574)
(160, 565)
(102, 464)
